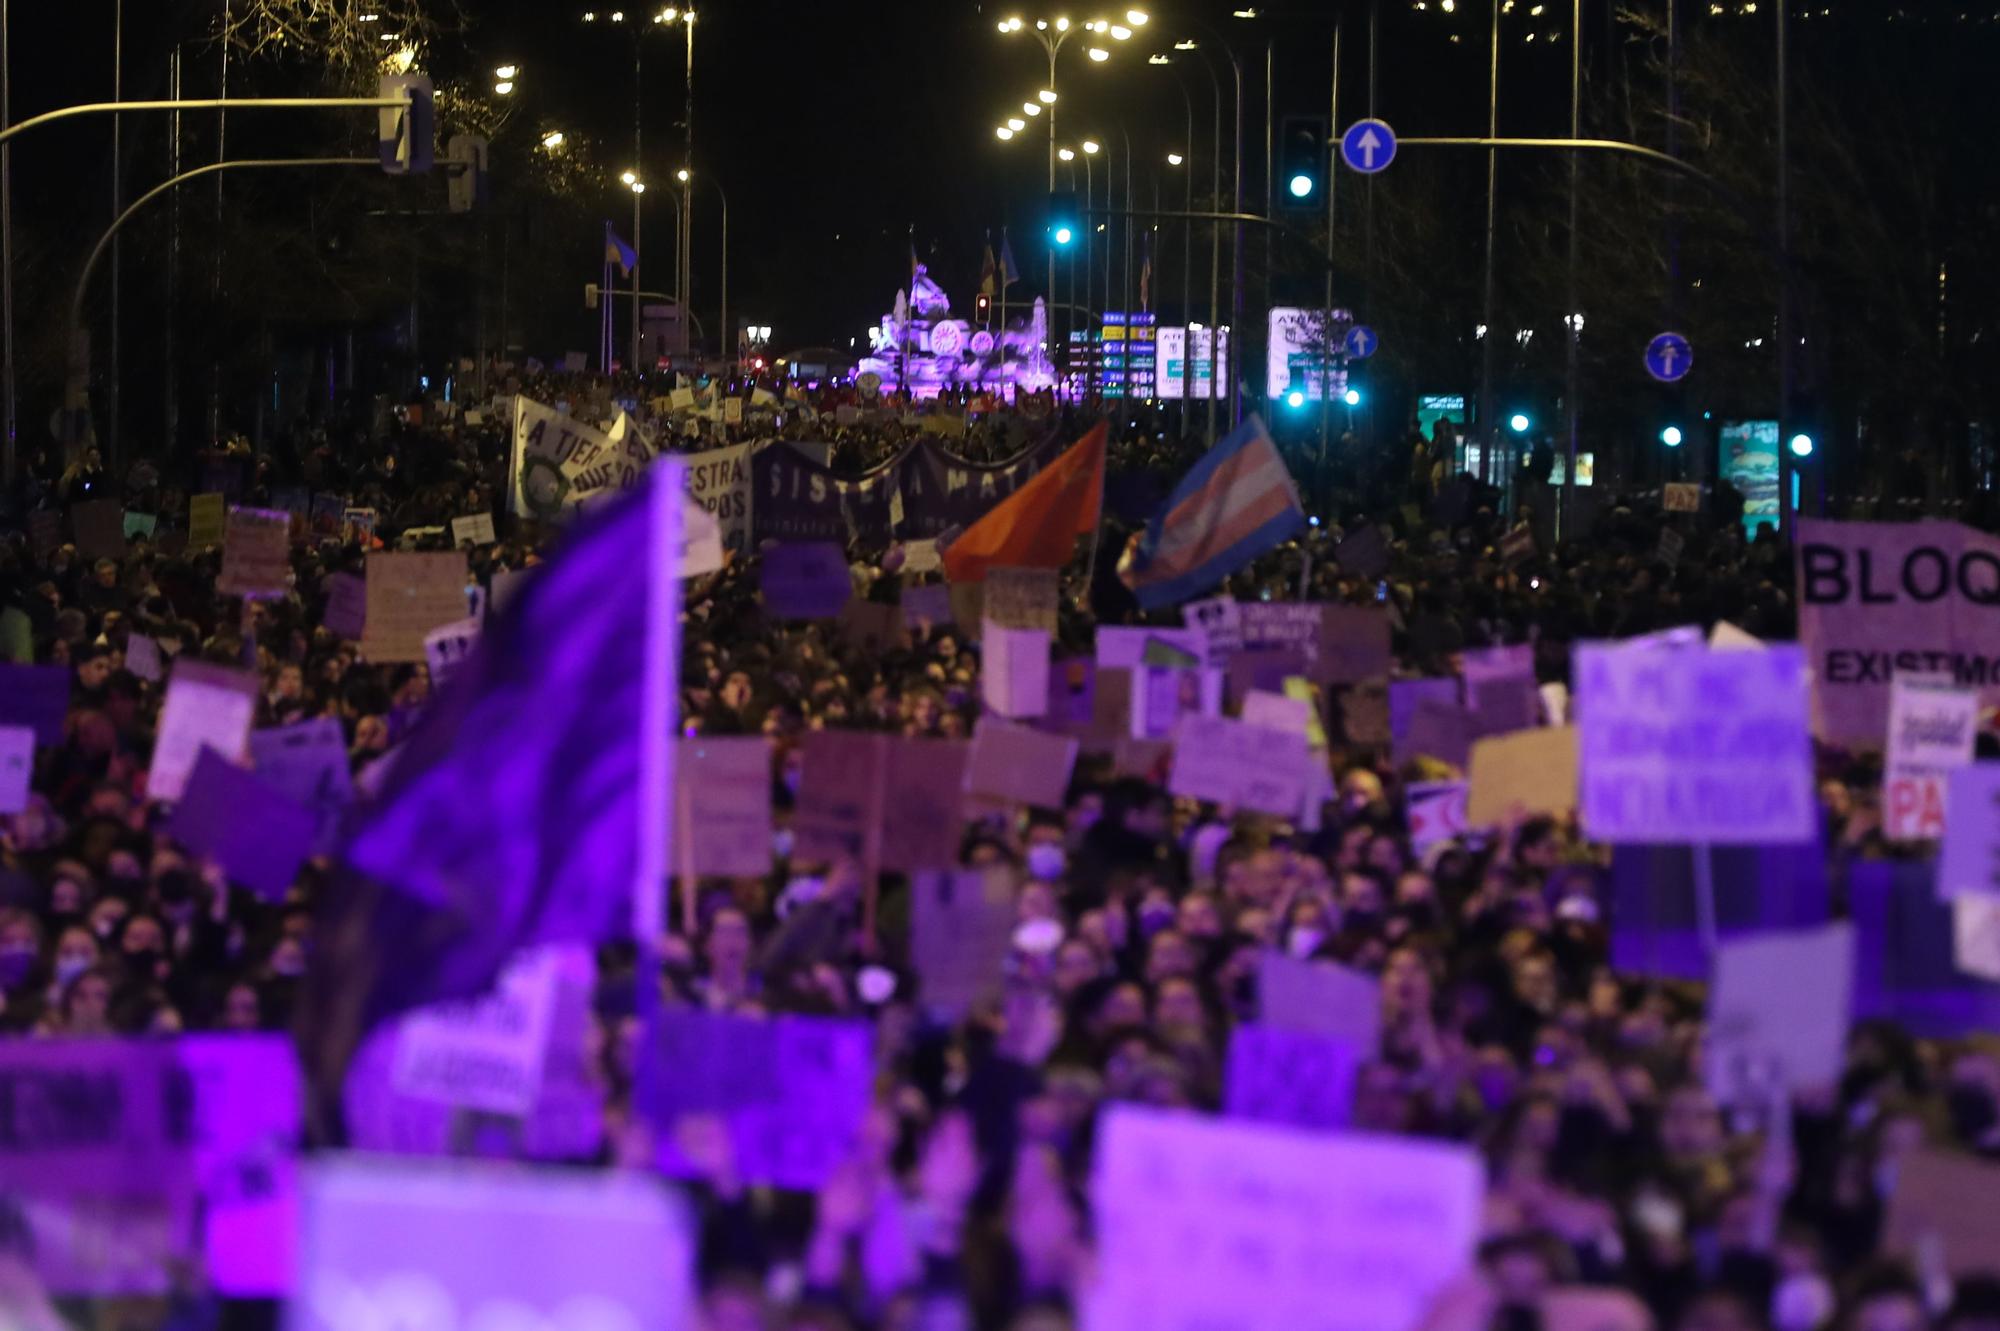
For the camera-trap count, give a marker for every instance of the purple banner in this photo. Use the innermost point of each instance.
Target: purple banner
(798, 500)
(942, 491)
(1906, 967)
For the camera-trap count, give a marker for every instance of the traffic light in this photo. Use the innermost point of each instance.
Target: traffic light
(1302, 161)
(465, 188)
(1352, 397)
(1672, 436)
(984, 308)
(406, 135)
(1802, 444)
(1519, 423)
(1065, 219)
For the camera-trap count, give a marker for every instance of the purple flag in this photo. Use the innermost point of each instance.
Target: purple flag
(1906, 968)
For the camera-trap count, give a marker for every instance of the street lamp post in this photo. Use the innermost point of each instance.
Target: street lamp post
(1236, 250)
(638, 188)
(724, 345)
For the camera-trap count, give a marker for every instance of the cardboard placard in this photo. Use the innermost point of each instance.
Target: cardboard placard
(256, 554)
(1437, 812)
(475, 530)
(1021, 598)
(1932, 727)
(207, 706)
(923, 803)
(142, 658)
(1320, 998)
(408, 595)
(723, 786)
(306, 763)
(1970, 862)
(1529, 771)
(1778, 1013)
(346, 606)
(448, 647)
(208, 515)
(840, 798)
(259, 837)
(1241, 766)
(1289, 1077)
(1680, 497)
(961, 930)
(1014, 670)
(484, 1053)
(17, 767)
(928, 605)
(1019, 765)
(870, 626)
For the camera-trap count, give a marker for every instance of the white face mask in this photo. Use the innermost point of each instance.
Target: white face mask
(1046, 861)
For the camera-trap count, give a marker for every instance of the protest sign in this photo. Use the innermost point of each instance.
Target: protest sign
(483, 1053)
(723, 787)
(207, 706)
(475, 530)
(1220, 622)
(839, 809)
(1932, 726)
(256, 554)
(358, 525)
(99, 525)
(1125, 648)
(307, 764)
(1072, 695)
(1777, 1013)
(805, 580)
(798, 499)
(141, 525)
(1279, 624)
(142, 658)
(1656, 927)
(1290, 1077)
(1671, 547)
(793, 1091)
(1320, 998)
(718, 479)
(1014, 670)
(1162, 696)
(1530, 771)
(35, 696)
(448, 647)
(923, 803)
(871, 626)
(961, 929)
(1499, 706)
(1159, 652)
(1480, 664)
(559, 463)
(408, 595)
(464, 1244)
(1022, 766)
(1352, 644)
(1437, 812)
(1404, 696)
(17, 767)
(1021, 598)
(259, 837)
(1970, 862)
(732, 411)
(1443, 731)
(1681, 497)
(1689, 746)
(1227, 762)
(1373, 1226)
(346, 606)
(1517, 546)
(921, 557)
(207, 516)
(942, 490)
(1275, 711)
(1941, 1210)
(929, 605)
(1364, 553)
(1975, 936)
(1876, 598)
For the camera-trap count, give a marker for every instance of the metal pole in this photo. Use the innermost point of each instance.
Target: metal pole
(725, 335)
(1326, 350)
(1566, 515)
(112, 404)
(1488, 436)
(1051, 47)
(215, 274)
(1270, 184)
(1089, 233)
(1787, 472)
(7, 459)
(1214, 252)
(687, 199)
(1125, 280)
(1236, 268)
(632, 365)
(171, 361)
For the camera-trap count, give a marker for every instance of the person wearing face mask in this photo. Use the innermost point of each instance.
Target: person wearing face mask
(1045, 856)
(76, 952)
(21, 973)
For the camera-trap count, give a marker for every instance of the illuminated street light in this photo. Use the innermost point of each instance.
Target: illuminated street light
(629, 177)
(552, 140)
(1066, 154)
(1031, 108)
(681, 175)
(1138, 18)
(1016, 124)
(638, 187)
(1120, 32)
(1047, 96)
(1671, 436)
(1090, 145)
(506, 71)
(1295, 399)
(1004, 133)
(666, 15)
(1174, 159)
(1157, 59)
(1518, 423)
(617, 16)
(1099, 54)
(1062, 25)
(1352, 397)
(504, 86)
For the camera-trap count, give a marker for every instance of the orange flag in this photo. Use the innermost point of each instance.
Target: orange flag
(1037, 525)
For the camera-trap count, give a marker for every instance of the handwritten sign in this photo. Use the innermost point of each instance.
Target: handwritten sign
(259, 837)
(923, 803)
(1778, 1012)
(484, 1053)
(1220, 622)
(839, 810)
(346, 606)
(1320, 998)
(1687, 745)
(1437, 812)
(805, 580)
(1205, 1224)
(306, 764)
(464, 1244)
(17, 767)
(1932, 727)
(142, 658)
(1970, 862)
(1125, 648)
(1161, 696)
(408, 595)
(1021, 598)
(208, 515)
(1681, 497)
(448, 647)
(207, 706)
(1020, 765)
(474, 530)
(1014, 669)
(256, 553)
(1289, 1077)
(1243, 766)
(793, 1090)
(961, 929)
(723, 786)
(1532, 771)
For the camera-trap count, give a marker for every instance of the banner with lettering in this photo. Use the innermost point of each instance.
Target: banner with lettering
(1876, 598)
(942, 490)
(560, 463)
(719, 480)
(796, 499)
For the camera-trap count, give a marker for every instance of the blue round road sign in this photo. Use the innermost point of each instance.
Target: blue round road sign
(1360, 342)
(1368, 146)
(1669, 358)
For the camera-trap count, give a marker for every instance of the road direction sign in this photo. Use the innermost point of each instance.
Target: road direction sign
(1368, 146)
(1669, 358)
(1360, 342)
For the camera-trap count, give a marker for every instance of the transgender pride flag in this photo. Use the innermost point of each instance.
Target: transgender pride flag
(1237, 503)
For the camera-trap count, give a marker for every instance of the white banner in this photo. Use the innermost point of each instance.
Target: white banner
(719, 481)
(560, 463)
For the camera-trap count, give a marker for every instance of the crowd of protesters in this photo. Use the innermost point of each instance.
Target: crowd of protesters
(1143, 917)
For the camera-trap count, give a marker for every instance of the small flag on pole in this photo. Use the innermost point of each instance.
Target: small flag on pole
(618, 252)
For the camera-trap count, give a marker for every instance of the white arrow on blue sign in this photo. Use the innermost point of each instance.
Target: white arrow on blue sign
(1368, 146)
(1360, 342)
(1669, 358)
